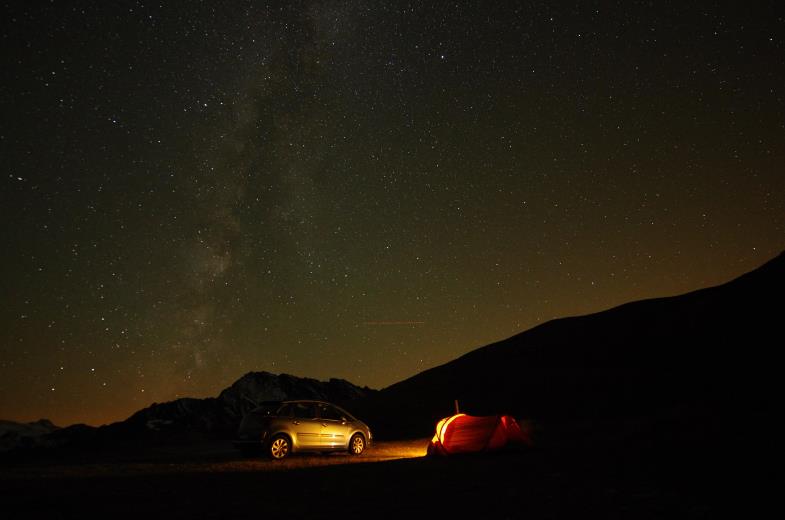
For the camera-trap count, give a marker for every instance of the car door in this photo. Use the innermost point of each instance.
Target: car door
(335, 427)
(305, 425)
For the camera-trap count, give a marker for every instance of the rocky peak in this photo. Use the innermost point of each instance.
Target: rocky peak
(223, 414)
(255, 387)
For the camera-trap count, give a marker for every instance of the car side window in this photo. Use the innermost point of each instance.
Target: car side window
(331, 413)
(303, 411)
(286, 411)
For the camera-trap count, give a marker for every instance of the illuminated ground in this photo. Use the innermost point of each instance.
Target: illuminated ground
(392, 480)
(207, 457)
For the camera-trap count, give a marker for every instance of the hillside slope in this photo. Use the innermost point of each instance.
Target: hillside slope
(703, 352)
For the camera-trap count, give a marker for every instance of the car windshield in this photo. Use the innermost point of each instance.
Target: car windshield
(345, 414)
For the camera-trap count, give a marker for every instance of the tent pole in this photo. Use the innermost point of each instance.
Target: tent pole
(457, 411)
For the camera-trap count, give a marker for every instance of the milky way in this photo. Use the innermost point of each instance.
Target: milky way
(361, 189)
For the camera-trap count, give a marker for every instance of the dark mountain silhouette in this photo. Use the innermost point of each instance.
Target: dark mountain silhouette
(690, 368)
(222, 415)
(212, 417)
(683, 367)
(14, 434)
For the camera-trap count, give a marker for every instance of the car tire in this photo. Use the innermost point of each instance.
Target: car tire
(357, 444)
(280, 446)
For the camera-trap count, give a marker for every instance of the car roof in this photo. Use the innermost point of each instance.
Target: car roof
(315, 401)
(295, 401)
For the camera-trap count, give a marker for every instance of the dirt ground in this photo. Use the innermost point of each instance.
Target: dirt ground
(391, 480)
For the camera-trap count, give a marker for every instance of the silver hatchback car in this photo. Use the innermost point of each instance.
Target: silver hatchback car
(281, 428)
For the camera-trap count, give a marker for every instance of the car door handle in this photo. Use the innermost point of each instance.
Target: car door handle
(295, 422)
(324, 424)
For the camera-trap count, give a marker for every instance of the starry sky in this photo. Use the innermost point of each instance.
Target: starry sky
(362, 189)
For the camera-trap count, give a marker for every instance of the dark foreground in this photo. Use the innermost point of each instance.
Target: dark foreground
(392, 480)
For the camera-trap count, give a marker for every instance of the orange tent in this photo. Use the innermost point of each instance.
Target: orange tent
(463, 433)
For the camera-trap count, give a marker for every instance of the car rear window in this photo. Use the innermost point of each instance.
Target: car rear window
(286, 411)
(267, 409)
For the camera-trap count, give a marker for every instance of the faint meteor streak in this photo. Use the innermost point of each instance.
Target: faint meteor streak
(402, 322)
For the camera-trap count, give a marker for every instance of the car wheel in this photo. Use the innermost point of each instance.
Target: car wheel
(357, 444)
(280, 446)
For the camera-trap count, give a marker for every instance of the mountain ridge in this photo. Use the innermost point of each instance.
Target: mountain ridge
(776, 262)
(211, 416)
(634, 360)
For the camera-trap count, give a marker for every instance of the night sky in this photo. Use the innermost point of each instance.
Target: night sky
(362, 189)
